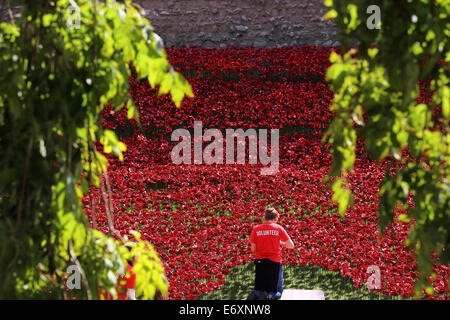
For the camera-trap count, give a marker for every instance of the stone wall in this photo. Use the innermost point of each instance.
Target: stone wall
(258, 23)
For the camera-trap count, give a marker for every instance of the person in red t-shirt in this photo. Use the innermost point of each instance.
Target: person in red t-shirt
(126, 284)
(265, 241)
(127, 290)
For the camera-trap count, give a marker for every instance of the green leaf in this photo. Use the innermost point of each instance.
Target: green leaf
(372, 52)
(166, 84)
(417, 117)
(341, 196)
(334, 71)
(417, 49)
(112, 277)
(42, 149)
(47, 19)
(446, 102)
(330, 15)
(353, 11)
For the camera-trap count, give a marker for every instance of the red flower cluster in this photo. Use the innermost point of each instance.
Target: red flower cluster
(199, 217)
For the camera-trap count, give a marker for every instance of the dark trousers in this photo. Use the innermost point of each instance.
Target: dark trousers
(267, 275)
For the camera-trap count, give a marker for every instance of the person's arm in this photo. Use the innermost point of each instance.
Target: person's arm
(252, 247)
(288, 244)
(285, 240)
(252, 242)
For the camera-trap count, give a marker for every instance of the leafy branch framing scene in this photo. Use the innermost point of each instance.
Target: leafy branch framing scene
(57, 76)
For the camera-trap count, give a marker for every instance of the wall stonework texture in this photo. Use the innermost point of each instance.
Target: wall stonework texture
(243, 23)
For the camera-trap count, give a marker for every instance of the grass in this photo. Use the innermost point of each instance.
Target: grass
(335, 286)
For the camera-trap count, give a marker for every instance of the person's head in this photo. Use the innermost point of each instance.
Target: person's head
(270, 214)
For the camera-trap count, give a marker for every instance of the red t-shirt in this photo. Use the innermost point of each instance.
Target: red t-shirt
(267, 237)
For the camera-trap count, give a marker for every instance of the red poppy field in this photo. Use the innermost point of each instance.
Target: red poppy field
(199, 217)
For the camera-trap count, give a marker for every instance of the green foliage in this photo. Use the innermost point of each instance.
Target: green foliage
(55, 79)
(376, 99)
